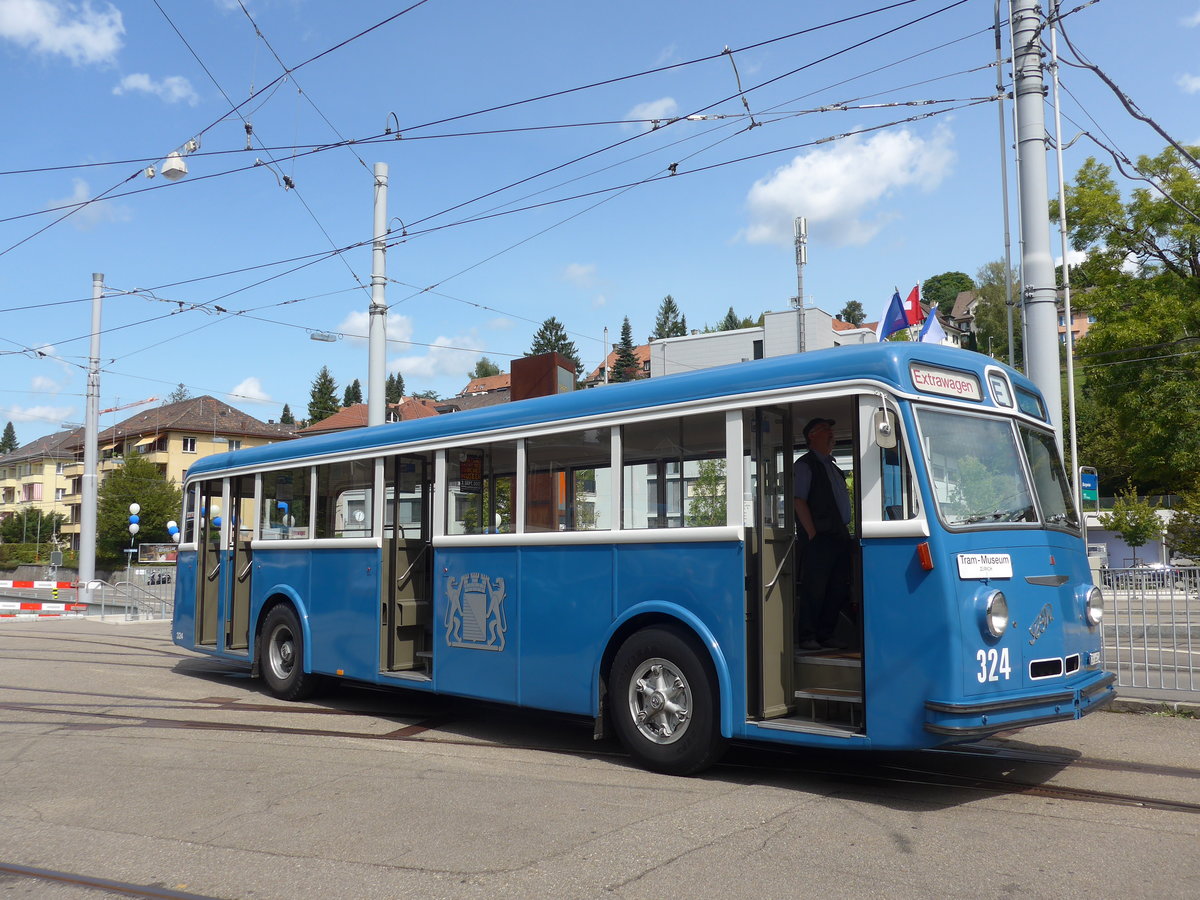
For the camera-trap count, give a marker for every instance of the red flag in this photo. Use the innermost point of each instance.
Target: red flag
(912, 307)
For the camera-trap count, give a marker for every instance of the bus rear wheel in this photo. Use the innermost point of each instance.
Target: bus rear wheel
(663, 694)
(281, 656)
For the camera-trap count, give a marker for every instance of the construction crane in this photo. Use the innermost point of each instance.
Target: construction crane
(128, 405)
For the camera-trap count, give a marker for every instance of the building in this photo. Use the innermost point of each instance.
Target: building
(48, 473)
(1081, 321)
(597, 375)
(355, 416)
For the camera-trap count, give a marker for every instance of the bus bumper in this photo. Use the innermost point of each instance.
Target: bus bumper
(975, 719)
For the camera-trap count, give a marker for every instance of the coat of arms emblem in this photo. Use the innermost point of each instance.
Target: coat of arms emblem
(475, 612)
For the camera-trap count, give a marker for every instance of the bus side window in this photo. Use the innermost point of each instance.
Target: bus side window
(344, 499)
(480, 489)
(568, 481)
(285, 505)
(899, 497)
(673, 472)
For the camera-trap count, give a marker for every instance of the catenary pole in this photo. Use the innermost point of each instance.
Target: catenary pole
(1040, 301)
(1008, 287)
(377, 334)
(91, 428)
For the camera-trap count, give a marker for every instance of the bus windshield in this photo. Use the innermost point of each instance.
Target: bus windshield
(975, 469)
(1049, 479)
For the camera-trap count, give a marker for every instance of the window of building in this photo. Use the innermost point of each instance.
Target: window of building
(673, 472)
(568, 482)
(189, 445)
(234, 444)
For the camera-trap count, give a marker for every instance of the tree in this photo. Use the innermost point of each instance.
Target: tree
(322, 399)
(9, 442)
(853, 313)
(706, 502)
(484, 368)
(286, 417)
(669, 322)
(30, 526)
(1134, 519)
(1137, 411)
(353, 395)
(137, 481)
(394, 388)
(991, 314)
(732, 322)
(626, 366)
(1183, 531)
(426, 395)
(178, 395)
(941, 290)
(551, 337)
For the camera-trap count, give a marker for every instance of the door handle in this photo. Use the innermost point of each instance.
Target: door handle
(213, 574)
(770, 585)
(246, 571)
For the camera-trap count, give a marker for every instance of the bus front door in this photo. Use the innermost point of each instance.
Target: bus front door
(772, 599)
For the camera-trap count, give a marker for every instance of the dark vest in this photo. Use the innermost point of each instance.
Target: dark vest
(821, 502)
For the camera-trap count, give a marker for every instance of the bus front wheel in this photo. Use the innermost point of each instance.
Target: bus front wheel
(663, 695)
(281, 655)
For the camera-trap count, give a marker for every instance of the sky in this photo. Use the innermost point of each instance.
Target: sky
(573, 160)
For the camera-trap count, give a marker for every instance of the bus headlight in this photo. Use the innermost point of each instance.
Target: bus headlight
(1095, 605)
(995, 613)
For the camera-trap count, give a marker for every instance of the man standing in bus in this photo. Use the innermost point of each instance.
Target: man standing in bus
(822, 505)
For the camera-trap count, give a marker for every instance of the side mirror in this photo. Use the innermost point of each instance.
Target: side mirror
(885, 429)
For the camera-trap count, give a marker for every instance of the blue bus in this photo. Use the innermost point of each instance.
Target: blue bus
(628, 553)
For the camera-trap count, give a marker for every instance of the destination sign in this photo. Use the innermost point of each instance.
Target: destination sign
(946, 382)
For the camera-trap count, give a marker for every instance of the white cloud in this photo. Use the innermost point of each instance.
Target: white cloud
(581, 274)
(42, 384)
(356, 327)
(1076, 257)
(55, 414)
(1192, 21)
(251, 390)
(599, 301)
(1189, 83)
(455, 355)
(80, 32)
(88, 217)
(172, 89)
(839, 188)
(663, 108)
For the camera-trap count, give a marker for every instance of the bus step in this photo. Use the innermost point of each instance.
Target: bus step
(836, 694)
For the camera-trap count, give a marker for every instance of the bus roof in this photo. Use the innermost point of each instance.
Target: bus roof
(886, 362)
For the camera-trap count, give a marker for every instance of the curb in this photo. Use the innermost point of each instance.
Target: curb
(1182, 708)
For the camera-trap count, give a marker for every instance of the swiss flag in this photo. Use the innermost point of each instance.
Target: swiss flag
(912, 307)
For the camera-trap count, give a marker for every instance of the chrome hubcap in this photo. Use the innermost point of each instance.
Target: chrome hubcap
(660, 701)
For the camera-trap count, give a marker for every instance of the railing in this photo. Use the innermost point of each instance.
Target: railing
(1152, 626)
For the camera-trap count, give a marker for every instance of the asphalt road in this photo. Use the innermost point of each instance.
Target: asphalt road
(126, 759)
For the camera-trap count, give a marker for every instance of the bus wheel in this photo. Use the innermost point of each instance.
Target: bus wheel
(663, 696)
(281, 652)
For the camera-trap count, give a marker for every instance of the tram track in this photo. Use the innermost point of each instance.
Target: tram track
(969, 768)
(103, 885)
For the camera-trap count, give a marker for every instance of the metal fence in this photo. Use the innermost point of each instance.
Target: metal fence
(1152, 626)
(146, 594)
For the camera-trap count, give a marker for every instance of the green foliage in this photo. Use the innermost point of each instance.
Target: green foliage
(669, 322)
(991, 315)
(500, 519)
(9, 442)
(178, 395)
(626, 366)
(137, 481)
(322, 399)
(1183, 531)
(426, 395)
(706, 503)
(13, 555)
(30, 526)
(286, 417)
(484, 368)
(1137, 411)
(354, 394)
(941, 290)
(394, 388)
(1134, 519)
(732, 322)
(551, 337)
(853, 313)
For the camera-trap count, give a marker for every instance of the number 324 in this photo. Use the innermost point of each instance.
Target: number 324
(993, 664)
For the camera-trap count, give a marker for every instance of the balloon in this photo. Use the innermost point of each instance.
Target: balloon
(172, 524)
(133, 520)
(134, 527)
(177, 536)
(216, 521)
(134, 508)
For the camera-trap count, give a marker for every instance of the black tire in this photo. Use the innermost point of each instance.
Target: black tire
(281, 656)
(663, 693)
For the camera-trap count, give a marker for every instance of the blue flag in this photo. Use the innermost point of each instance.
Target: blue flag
(933, 332)
(893, 319)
